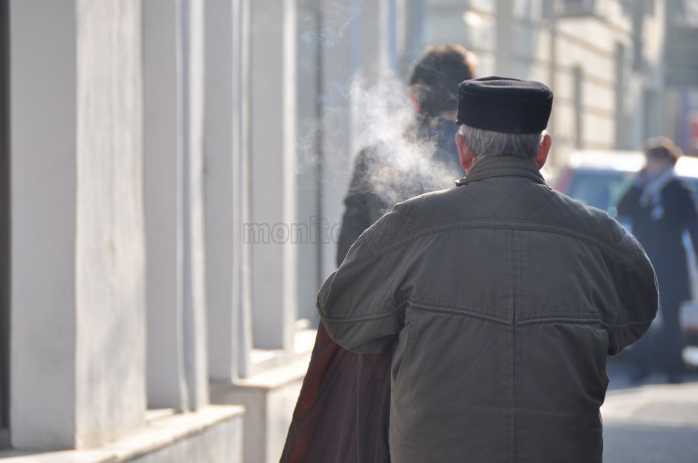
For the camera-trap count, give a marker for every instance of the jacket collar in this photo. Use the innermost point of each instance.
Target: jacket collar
(502, 166)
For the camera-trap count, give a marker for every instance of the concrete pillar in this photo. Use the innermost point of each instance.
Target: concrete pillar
(376, 28)
(340, 62)
(242, 268)
(78, 346)
(177, 358)
(359, 53)
(414, 40)
(219, 187)
(273, 165)
(194, 262)
(310, 14)
(225, 182)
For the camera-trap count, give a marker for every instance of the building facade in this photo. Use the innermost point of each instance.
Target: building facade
(601, 57)
(173, 175)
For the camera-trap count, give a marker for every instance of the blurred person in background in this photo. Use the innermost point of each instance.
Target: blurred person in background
(660, 209)
(344, 405)
(433, 86)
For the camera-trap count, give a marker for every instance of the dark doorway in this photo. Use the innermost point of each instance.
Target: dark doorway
(4, 226)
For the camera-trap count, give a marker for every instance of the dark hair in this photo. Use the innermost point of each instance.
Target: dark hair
(436, 75)
(662, 148)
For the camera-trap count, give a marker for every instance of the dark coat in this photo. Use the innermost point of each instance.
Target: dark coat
(343, 411)
(364, 203)
(663, 238)
(505, 298)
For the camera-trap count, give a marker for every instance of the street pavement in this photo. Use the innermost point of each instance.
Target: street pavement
(652, 422)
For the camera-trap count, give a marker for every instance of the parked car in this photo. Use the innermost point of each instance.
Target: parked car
(600, 178)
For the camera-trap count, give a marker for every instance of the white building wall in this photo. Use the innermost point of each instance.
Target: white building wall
(340, 60)
(85, 102)
(44, 173)
(167, 386)
(218, 176)
(191, 16)
(77, 225)
(177, 345)
(513, 38)
(110, 238)
(309, 142)
(272, 93)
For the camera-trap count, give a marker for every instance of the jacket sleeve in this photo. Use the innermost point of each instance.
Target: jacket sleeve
(361, 205)
(355, 303)
(690, 217)
(637, 298)
(629, 202)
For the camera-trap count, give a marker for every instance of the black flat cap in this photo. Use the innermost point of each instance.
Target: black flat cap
(501, 104)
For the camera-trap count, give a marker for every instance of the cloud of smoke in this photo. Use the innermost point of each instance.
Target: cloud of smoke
(379, 122)
(401, 150)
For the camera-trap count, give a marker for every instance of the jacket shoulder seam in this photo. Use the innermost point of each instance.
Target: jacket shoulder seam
(463, 224)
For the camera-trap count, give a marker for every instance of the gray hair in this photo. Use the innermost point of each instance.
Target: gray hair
(488, 143)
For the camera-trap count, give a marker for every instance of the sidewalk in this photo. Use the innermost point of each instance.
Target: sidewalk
(652, 422)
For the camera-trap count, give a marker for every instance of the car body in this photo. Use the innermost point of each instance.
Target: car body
(600, 178)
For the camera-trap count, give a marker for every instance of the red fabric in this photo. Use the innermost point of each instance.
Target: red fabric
(343, 411)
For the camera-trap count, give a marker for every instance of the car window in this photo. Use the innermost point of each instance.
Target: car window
(604, 188)
(600, 188)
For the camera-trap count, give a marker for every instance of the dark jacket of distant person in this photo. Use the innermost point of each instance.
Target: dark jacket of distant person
(433, 84)
(364, 205)
(659, 224)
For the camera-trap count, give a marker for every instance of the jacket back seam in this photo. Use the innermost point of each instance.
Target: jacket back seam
(473, 224)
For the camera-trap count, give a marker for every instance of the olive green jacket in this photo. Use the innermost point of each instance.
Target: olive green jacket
(506, 297)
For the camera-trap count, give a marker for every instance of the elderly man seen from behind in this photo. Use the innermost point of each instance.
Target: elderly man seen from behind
(506, 298)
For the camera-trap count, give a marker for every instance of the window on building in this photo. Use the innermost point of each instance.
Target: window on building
(576, 7)
(4, 229)
(578, 107)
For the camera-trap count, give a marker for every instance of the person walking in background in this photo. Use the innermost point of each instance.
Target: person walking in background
(433, 88)
(344, 405)
(661, 209)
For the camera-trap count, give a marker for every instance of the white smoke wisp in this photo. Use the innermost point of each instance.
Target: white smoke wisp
(376, 121)
(327, 36)
(401, 154)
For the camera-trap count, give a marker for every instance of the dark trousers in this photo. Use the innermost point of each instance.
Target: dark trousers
(671, 343)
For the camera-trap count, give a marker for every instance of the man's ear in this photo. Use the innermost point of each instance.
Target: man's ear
(464, 154)
(544, 150)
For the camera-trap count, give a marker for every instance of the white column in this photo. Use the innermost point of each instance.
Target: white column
(310, 15)
(273, 170)
(340, 60)
(177, 360)
(359, 54)
(374, 38)
(225, 183)
(167, 385)
(219, 187)
(242, 270)
(414, 25)
(77, 334)
(194, 262)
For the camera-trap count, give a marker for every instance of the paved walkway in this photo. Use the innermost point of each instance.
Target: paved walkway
(650, 423)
